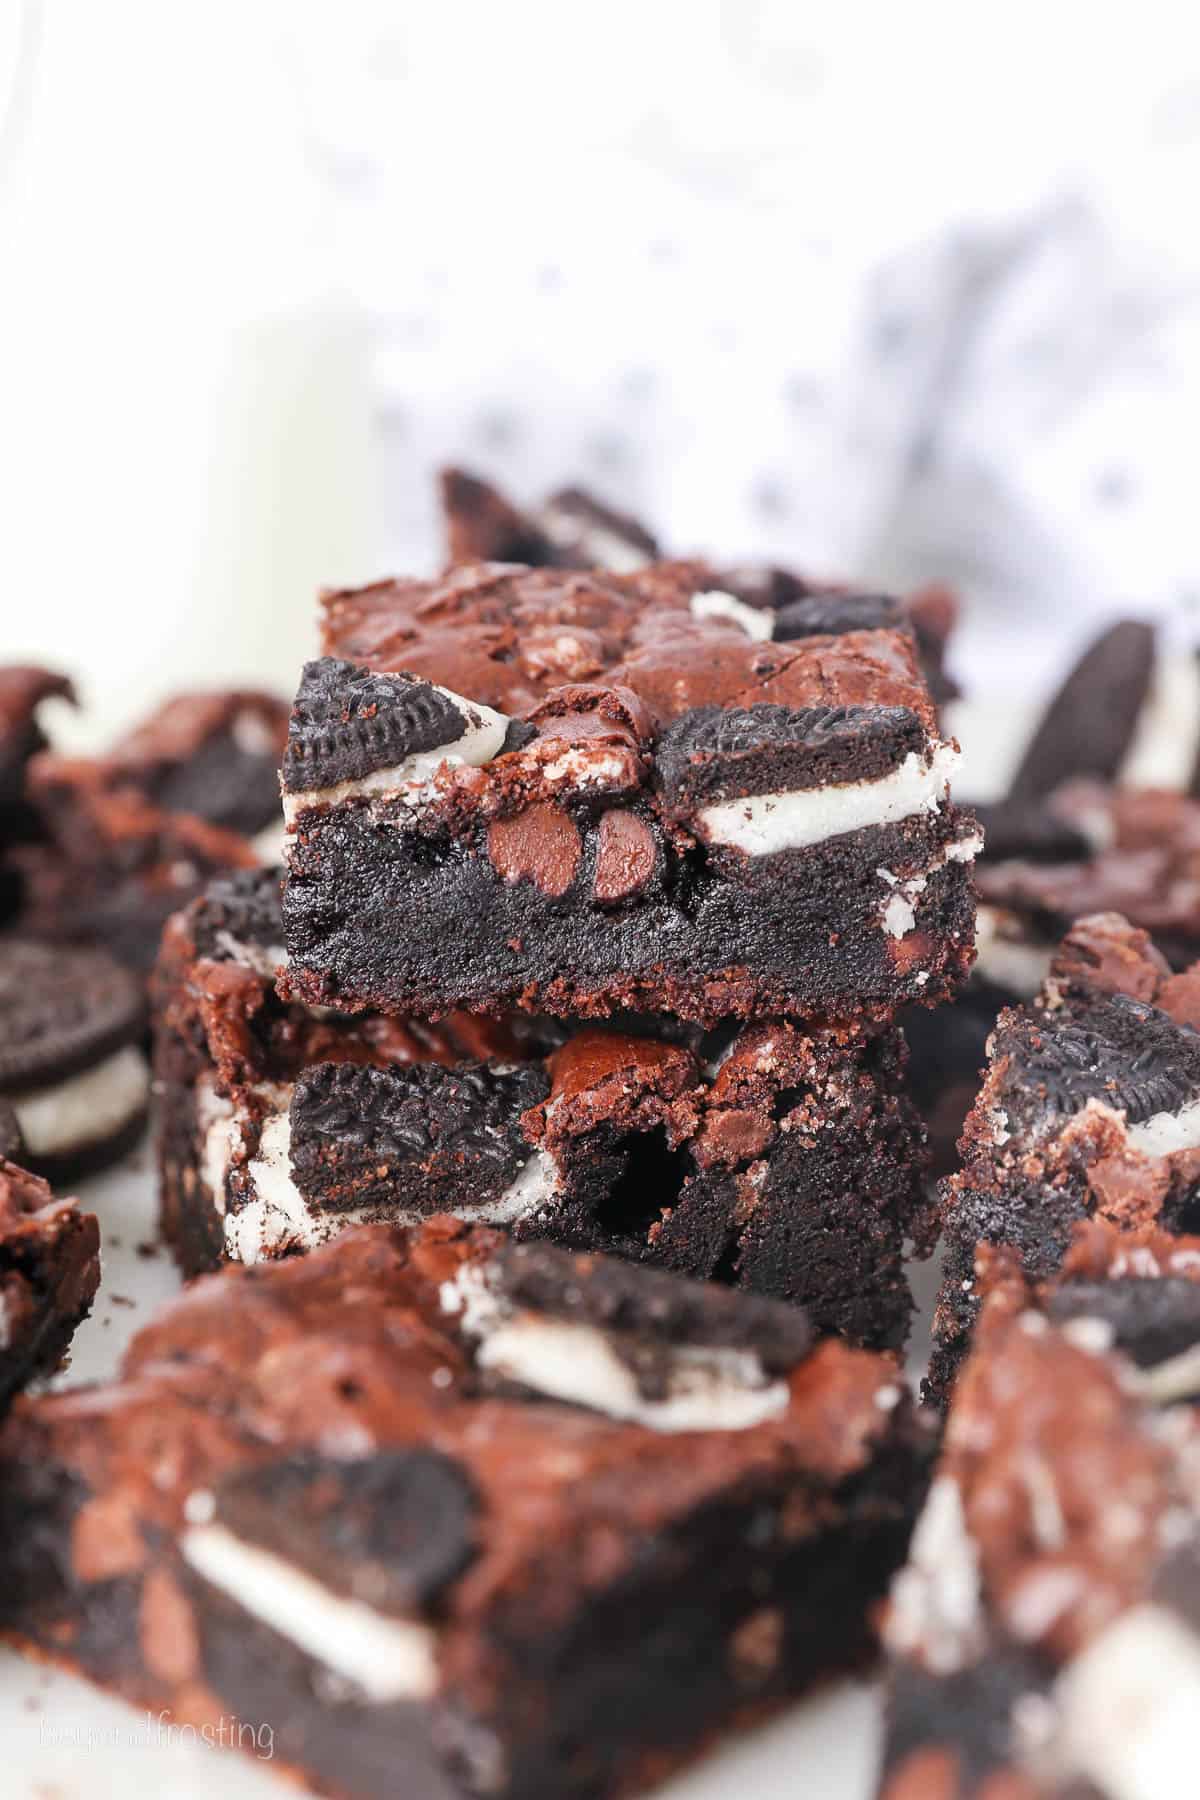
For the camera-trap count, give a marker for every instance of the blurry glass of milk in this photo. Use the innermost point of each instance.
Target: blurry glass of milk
(186, 447)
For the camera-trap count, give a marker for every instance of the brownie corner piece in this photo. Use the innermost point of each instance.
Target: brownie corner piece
(428, 1531)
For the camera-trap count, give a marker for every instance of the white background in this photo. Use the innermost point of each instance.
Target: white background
(888, 291)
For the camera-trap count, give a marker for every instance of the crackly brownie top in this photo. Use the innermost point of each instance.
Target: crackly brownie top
(505, 635)
(400, 1354)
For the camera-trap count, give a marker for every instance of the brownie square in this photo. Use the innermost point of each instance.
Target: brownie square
(623, 798)
(782, 1160)
(454, 1516)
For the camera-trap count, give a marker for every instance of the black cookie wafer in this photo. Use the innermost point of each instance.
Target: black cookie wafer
(716, 753)
(832, 615)
(348, 721)
(355, 1128)
(1088, 726)
(62, 1010)
(390, 1529)
(244, 908)
(1151, 1318)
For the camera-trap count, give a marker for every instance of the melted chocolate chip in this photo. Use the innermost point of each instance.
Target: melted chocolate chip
(625, 856)
(541, 844)
(348, 721)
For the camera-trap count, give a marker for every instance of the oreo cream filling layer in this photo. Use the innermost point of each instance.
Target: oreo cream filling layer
(387, 1659)
(84, 1109)
(763, 824)
(269, 1214)
(709, 1388)
(411, 779)
(1166, 1132)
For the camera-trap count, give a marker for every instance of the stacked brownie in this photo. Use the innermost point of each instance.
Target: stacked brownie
(680, 873)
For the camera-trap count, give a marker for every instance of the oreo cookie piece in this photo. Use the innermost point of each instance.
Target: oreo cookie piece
(714, 754)
(71, 1064)
(1114, 1049)
(390, 1529)
(350, 723)
(241, 918)
(1089, 724)
(571, 529)
(1151, 1319)
(831, 615)
(356, 1128)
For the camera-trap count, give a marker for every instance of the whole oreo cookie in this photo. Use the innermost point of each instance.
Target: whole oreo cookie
(71, 1066)
(391, 1529)
(1089, 725)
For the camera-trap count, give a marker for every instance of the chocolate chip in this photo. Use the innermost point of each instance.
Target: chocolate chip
(392, 1529)
(625, 857)
(349, 721)
(541, 844)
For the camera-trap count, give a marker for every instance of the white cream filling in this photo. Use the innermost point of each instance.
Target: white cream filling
(411, 779)
(1127, 1709)
(762, 824)
(276, 1216)
(84, 1108)
(388, 1659)
(1162, 752)
(218, 1128)
(252, 735)
(709, 1389)
(1006, 962)
(587, 768)
(935, 1604)
(757, 622)
(1166, 1132)
(270, 843)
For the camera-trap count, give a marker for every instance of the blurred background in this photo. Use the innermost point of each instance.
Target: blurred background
(890, 293)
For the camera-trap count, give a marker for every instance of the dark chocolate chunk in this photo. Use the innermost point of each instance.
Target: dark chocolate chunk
(61, 1010)
(1089, 724)
(391, 1529)
(349, 721)
(355, 1127)
(642, 1303)
(1151, 1318)
(832, 615)
(719, 753)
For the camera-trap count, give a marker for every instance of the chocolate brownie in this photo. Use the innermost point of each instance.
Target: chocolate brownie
(1090, 1107)
(72, 1067)
(786, 1162)
(574, 530)
(49, 1269)
(137, 831)
(668, 815)
(1045, 1634)
(22, 692)
(470, 1517)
